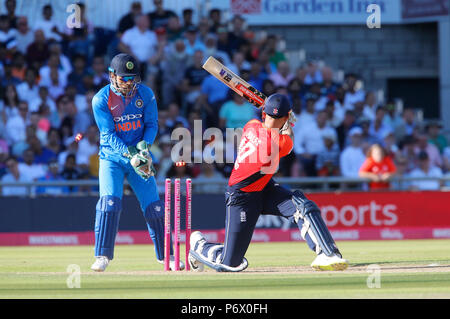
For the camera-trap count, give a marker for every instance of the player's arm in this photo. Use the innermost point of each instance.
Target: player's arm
(106, 127)
(150, 118)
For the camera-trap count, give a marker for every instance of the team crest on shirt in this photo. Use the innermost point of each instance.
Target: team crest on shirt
(139, 103)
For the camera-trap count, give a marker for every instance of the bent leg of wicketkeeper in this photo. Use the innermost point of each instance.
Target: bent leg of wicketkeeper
(152, 207)
(108, 210)
(242, 212)
(305, 213)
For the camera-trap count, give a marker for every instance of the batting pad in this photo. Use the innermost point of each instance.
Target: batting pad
(107, 218)
(314, 225)
(154, 216)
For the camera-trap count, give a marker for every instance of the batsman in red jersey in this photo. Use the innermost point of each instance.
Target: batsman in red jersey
(251, 192)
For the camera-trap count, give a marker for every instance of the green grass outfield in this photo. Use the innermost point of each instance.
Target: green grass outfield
(408, 269)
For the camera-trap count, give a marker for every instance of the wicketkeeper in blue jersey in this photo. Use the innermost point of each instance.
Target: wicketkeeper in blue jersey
(127, 117)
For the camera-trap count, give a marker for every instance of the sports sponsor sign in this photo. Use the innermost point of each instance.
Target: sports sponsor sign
(424, 8)
(301, 12)
(349, 216)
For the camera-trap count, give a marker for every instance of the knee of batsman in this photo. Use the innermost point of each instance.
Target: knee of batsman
(154, 211)
(109, 203)
(304, 206)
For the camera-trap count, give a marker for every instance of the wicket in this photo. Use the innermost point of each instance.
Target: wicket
(177, 221)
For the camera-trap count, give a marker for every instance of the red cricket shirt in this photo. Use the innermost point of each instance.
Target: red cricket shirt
(258, 156)
(385, 166)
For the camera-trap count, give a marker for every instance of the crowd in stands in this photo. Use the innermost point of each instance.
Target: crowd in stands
(49, 74)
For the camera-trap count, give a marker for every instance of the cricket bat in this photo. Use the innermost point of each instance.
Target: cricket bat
(234, 82)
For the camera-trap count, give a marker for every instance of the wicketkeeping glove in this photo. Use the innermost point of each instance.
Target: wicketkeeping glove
(141, 160)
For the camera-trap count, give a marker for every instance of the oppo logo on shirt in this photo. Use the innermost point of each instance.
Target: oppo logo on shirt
(127, 117)
(125, 123)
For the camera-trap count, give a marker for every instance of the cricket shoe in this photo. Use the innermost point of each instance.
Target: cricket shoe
(197, 240)
(324, 262)
(100, 264)
(172, 263)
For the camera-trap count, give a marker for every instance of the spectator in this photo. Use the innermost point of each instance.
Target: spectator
(335, 116)
(127, 21)
(193, 78)
(159, 17)
(187, 16)
(14, 175)
(209, 180)
(70, 171)
(425, 169)
(174, 66)
(215, 19)
(174, 29)
(354, 93)
(408, 148)
(275, 56)
(18, 66)
(328, 86)
(239, 63)
(24, 35)
(342, 130)
(79, 72)
(174, 116)
(7, 34)
(29, 166)
(214, 94)
(8, 78)
(352, 157)
(42, 155)
(308, 116)
(48, 25)
(38, 51)
(309, 142)
(203, 29)
(312, 73)
(435, 137)
(367, 137)
(390, 144)
(87, 147)
(4, 154)
(140, 42)
(55, 63)
(236, 113)
(256, 76)
(192, 41)
(101, 77)
(378, 128)
(56, 84)
(223, 41)
(408, 124)
(212, 50)
(54, 141)
(16, 124)
(11, 13)
(52, 175)
(9, 104)
(378, 167)
(401, 164)
(283, 74)
(433, 152)
(29, 91)
(327, 162)
(236, 35)
(80, 38)
(392, 119)
(370, 106)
